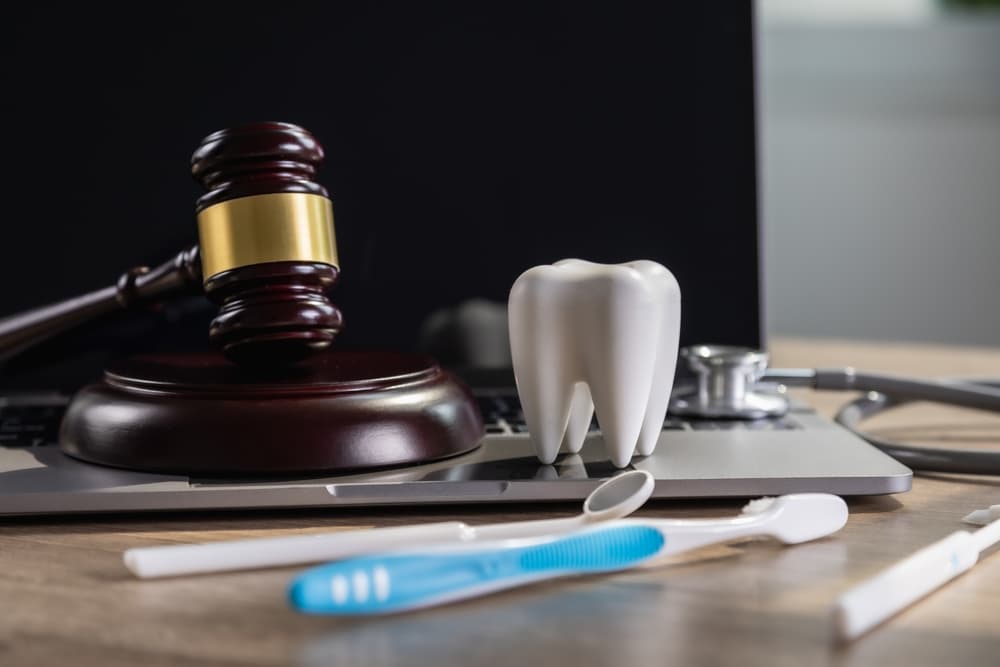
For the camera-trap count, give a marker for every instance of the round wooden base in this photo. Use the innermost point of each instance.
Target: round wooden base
(201, 415)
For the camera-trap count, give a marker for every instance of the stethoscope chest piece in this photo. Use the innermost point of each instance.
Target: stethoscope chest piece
(726, 376)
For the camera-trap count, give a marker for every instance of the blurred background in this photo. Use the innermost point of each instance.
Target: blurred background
(878, 153)
(879, 139)
(465, 142)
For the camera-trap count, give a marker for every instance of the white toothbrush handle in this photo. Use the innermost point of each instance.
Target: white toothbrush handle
(523, 529)
(897, 587)
(226, 556)
(151, 562)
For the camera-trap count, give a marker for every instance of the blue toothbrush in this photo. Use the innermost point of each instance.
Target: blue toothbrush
(400, 582)
(396, 582)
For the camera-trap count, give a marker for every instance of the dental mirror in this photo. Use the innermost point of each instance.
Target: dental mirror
(618, 496)
(615, 498)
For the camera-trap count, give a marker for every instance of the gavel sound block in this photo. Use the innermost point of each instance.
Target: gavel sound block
(280, 401)
(200, 414)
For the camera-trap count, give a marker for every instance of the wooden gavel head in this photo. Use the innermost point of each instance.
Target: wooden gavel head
(268, 253)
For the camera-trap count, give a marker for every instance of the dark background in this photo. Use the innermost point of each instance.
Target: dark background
(465, 143)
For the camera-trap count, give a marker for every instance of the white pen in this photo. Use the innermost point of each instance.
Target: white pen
(889, 592)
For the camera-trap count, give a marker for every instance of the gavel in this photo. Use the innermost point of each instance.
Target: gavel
(266, 255)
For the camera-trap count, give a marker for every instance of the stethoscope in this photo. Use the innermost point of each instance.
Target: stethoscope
(732, 382)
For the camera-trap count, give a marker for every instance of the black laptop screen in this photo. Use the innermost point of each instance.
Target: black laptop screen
(465, 143)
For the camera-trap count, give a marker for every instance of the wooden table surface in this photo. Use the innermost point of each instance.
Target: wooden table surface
(66, 598)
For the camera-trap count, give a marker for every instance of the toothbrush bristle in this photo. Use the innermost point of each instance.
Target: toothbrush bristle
(758, 505)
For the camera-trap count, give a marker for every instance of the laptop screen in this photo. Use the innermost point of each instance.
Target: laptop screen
(466, 142)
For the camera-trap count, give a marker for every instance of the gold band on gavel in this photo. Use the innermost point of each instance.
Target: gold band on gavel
(279, 227)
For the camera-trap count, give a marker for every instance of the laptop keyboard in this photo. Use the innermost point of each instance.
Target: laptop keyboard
(31, 421)
(502, 414)
(27, 421)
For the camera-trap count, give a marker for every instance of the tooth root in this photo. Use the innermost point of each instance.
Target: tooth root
(546, 404)
(539, 363)
(620, 408)
(656, 414)
(618, 361)
(663, 380)
(666, 353)
(581, 411)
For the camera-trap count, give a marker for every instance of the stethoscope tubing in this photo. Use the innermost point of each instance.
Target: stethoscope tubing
(884, 392)
(963, 393)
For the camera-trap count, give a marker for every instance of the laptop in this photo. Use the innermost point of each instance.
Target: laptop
(464, 145)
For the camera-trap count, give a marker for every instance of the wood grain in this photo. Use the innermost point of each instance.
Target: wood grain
(67, 598)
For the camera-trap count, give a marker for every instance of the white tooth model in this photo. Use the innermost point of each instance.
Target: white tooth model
(585, 335)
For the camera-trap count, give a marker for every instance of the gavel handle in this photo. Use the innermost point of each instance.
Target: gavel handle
(139, 285)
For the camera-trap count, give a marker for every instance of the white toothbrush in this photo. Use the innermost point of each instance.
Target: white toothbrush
(890, 591)
(411, 580)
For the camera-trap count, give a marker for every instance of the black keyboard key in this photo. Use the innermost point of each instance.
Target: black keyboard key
(488, 407)
(18, 426)
(28, 425)
(24, 440)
